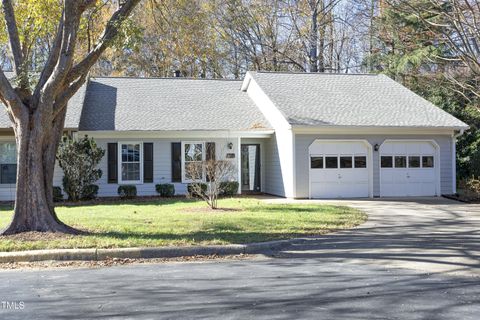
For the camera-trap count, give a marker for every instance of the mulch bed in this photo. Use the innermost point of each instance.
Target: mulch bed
(461, 198)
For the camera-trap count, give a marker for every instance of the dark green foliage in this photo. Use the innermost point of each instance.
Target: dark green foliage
(468, 144)
(127, 191)
(165, 189)
(229, 188)
(193, 187)
(408, 50)
(90, 192)
(57, 194)
(78, 160)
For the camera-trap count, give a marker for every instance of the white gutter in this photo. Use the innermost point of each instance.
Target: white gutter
(454, 159)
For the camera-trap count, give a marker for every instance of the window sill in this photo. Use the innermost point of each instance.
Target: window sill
(130, 182)
(8, 185)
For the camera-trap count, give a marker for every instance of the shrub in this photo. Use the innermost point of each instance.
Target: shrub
(90, 192)
(471, 187)
(165, 189)
(229, 188)
(127, 191)
(216, 172)
(79, 160)
(196, 189)
(57, 194)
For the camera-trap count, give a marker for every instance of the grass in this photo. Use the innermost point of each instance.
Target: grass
(184, 222)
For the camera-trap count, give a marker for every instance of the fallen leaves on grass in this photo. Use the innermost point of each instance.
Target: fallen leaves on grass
(110, 262)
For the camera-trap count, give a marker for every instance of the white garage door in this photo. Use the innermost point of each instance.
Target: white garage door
(339, 169)
(408, 169)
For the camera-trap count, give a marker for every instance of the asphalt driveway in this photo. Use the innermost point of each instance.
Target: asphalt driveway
(412, 260)
(425, 234)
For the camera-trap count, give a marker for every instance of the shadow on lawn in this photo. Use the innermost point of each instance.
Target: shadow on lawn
(141, 201)
(231, 236)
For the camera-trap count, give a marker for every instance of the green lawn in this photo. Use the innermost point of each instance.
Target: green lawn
(184, 222)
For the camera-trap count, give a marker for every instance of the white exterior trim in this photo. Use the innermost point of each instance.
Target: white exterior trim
(119, 164)
(239, 165)
(264, 103)
(438, 190)
(369, 162)
(373, 130)
(176, 134)
(454, 159)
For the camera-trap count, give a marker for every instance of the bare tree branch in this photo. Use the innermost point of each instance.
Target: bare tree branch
(110, 32)
(13, 36)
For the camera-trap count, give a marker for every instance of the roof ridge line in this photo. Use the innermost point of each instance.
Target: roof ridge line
(318, 73)
(164, 78)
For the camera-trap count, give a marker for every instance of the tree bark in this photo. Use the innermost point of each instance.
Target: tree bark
(313, 37)
(38, 118)
(37, 139)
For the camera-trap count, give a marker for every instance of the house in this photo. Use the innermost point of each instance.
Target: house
(296, 135)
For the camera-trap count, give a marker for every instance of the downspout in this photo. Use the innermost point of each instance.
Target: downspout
(454, 159)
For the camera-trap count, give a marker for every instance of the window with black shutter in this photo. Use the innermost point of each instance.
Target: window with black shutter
(148, 162)
(176, 162)
(112, 155)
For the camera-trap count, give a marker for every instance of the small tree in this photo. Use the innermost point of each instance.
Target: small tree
(79, 160)
(216, 173)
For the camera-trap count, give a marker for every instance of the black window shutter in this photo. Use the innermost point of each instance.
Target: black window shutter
(112, 154)
(148, 162)
(210, 146)
(176, 162)
(210, 155)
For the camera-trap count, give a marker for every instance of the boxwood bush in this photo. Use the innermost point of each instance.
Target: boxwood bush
(190, 189)
(127, 191)
(229, 188)
(90, 192)
(57, 194)
(165, 189)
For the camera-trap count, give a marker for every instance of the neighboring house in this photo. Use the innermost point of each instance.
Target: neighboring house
(296, 135)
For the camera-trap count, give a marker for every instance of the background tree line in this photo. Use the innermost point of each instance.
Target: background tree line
(431, 46)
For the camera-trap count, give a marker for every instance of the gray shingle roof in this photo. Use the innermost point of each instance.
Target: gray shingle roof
(316, 99)
(168, 104)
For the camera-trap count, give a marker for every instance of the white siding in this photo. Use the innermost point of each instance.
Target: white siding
(162, 164)
(273, 171)
(303, 141)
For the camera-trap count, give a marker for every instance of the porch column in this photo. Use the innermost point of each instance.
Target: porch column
(239, 164)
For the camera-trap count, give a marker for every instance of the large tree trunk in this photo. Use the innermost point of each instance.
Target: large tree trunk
(36, 146)
(38, 117)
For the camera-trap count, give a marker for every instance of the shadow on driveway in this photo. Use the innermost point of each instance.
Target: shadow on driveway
(431, 234)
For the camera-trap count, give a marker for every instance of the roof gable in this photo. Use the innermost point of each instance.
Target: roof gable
(319, 99)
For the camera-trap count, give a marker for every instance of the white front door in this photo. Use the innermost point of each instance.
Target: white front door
(408, 168)
(339, 169)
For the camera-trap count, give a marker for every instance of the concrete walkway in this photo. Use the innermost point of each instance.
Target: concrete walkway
(426, 234)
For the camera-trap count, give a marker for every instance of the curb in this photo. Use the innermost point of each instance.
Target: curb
(145, 253)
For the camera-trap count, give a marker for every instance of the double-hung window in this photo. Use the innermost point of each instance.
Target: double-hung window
(193, 155)
(8, 163)
(130, 162)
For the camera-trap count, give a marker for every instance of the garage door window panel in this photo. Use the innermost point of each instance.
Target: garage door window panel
(316, 162)
(427, 162)
(400, 161)
(331, 162)
(414, 161)
(386, 162)
(360, 162)
(346, 162)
